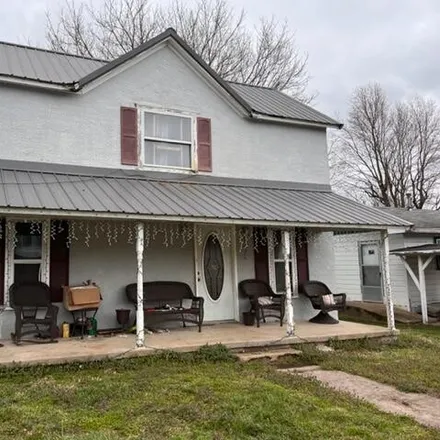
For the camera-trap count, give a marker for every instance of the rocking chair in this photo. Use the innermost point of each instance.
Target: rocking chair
(32, 306)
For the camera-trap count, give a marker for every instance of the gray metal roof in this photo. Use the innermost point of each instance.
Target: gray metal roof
(48, 67)
(272, 102)
(44, 65)
(420, 218)
(425, 249)
(179, 196)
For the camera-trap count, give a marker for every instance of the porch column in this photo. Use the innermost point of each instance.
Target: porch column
(388, 294)
(288, 281)
(422, 288)
(140, 331)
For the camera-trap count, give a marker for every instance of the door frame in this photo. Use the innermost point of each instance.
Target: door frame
(360, 261)
(211, 229)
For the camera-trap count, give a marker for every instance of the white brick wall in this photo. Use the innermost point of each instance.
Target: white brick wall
(84, 129)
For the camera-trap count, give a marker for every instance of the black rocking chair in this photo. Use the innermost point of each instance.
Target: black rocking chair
(324, 300)
(264, 301)
(33, 308)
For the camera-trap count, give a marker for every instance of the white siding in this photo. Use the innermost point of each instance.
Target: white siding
(84, 129)
(432, 275)
(347, 267)
(399, 282)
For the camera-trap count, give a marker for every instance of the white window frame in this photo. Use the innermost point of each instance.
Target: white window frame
(10, 257)
(192, 144)
(273, 260)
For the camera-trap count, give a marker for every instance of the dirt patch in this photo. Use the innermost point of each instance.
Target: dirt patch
(421, 407)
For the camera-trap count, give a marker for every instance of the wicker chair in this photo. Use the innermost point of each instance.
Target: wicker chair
(29, 300)
(324, 300)
(264, 301)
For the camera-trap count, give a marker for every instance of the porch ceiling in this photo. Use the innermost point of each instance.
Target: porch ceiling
(164, 196)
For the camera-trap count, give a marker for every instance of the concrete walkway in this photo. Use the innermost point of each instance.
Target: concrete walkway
(233, 335)
(421, 407)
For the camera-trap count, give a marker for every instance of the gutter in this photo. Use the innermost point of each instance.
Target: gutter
(266, 118)
(17, 81)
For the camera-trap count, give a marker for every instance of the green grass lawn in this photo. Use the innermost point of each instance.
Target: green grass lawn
(206, 395)
(411, 363)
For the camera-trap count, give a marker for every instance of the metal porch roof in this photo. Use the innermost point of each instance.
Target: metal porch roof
(425, 249)
(161, 195)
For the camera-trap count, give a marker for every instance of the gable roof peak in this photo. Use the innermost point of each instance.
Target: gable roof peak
(43, 67)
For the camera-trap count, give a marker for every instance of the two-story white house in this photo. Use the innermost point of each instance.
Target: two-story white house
(97, 157)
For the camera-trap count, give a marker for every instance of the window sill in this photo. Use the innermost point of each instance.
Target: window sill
(163, 169)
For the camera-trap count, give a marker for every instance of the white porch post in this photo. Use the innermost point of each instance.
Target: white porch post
(288, 281)
(388, 297)
(422, 288)
(140, 331)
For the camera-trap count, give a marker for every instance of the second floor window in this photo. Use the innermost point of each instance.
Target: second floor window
(167, 140)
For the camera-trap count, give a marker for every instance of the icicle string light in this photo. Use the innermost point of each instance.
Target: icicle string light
(171, 234)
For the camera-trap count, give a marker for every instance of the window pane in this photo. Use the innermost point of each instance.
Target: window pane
(370, 255)
(29, 244)
(278, 246)
(371, 276)
(165, 154)
(24, 273)
(167, 127)
(280, 278)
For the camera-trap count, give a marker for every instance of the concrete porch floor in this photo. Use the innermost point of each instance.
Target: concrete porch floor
(233, 335)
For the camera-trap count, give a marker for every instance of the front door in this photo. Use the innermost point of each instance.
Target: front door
(214, 272)
(371, 280)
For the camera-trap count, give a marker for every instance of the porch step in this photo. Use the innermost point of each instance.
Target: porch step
(272, 354)
(360, 309)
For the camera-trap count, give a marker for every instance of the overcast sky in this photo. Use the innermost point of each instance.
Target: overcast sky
(349, 42)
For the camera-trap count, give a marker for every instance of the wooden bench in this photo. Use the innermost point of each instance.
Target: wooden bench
(171, 300)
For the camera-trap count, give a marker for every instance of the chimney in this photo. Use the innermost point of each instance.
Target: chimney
(408, 201)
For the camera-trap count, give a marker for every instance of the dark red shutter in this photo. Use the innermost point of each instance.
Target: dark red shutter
(129, 136)
(204, 145)
(261, 261)
(302, 256)
(2, 262)
(59, 262)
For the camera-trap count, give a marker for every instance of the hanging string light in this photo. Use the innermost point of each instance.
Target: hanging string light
(173, 234)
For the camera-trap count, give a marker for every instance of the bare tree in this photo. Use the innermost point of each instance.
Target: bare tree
(266, 55)
(387, 151)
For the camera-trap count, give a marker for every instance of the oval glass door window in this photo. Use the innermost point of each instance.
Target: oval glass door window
(213, 267)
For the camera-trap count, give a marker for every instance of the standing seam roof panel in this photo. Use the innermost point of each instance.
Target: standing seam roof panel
(85, 193)
(210, 196)
(179, 198)
(221, 197)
